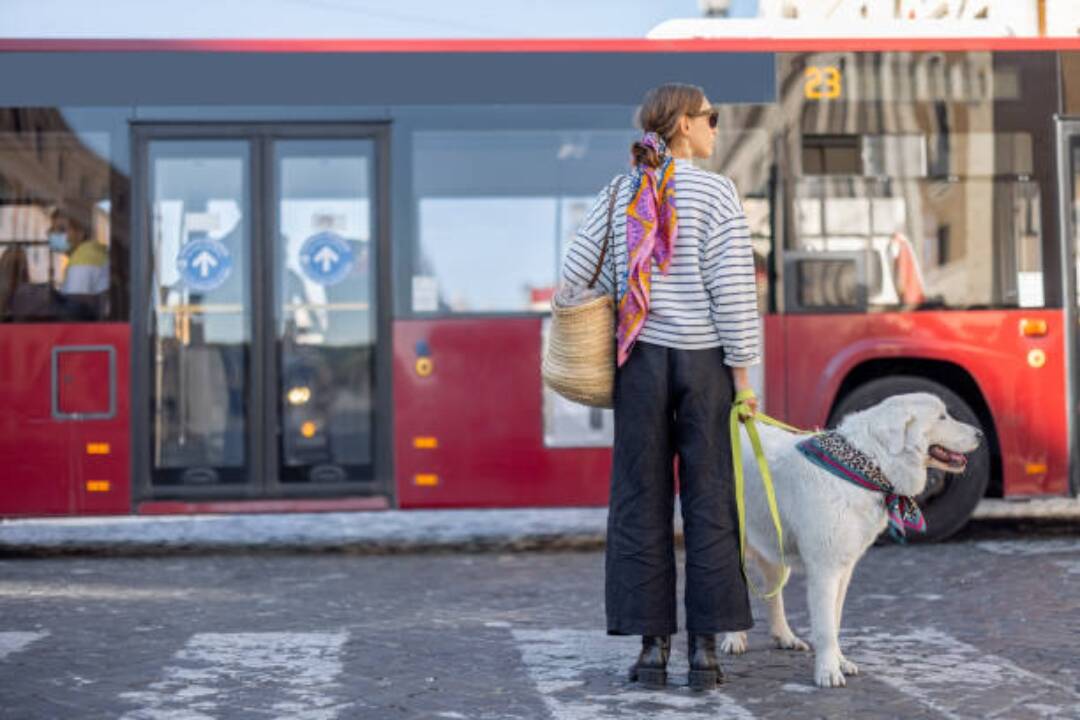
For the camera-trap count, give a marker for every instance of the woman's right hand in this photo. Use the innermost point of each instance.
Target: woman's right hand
(741, 379)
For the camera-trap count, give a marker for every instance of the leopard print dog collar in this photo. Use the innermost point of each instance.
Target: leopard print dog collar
(829, 450)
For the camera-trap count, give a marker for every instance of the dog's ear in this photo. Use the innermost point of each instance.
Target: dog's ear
(914, 439)
(894, 435)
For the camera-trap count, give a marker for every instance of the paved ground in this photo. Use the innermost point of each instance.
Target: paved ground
(983, 627)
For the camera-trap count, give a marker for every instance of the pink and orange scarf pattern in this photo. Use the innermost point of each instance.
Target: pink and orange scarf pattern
(651, 227)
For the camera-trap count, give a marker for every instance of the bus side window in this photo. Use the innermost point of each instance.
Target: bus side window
(63, 199)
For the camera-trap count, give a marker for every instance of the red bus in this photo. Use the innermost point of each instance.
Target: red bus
(287, 275)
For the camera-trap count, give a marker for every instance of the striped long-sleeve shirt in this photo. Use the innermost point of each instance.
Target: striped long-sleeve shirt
(708, 297)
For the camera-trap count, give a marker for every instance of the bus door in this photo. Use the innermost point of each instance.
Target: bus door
(256, 344)
(1068, 142)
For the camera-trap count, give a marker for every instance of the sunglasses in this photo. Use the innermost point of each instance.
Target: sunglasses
(714, 116)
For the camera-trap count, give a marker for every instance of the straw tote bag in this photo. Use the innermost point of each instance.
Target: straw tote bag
(580, 360)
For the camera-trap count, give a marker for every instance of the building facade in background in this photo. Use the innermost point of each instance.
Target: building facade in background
(887, 18)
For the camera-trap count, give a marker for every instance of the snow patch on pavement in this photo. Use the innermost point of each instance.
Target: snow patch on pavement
(13, 642)
(950, 677)
(279, 675)
(581, 675)
(1031, 548)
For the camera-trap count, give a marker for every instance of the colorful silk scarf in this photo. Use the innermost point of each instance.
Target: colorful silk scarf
(651, 226)
(832, 452)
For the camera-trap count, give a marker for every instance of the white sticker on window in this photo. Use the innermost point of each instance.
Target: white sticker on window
(425, 293)
(202, 221)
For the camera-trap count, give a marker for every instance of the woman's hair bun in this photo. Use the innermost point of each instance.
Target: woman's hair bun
(643, 155)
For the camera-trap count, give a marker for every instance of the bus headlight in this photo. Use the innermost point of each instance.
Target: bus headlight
(298, 395)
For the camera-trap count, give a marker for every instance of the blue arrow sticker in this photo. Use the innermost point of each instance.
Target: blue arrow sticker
(326, 257)
(204, 264)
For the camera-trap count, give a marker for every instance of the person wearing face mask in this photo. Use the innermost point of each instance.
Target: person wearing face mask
(88, 261)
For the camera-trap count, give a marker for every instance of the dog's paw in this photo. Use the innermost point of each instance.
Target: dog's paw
(734, 643)
(847, 667)
(827, 674)
(790, 641)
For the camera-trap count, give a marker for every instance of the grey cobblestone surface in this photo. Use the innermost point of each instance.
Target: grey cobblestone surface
(983, 627)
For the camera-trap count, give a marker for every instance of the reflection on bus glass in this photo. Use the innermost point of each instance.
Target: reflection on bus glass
(57, 186)
(201, 321)
(325, 309)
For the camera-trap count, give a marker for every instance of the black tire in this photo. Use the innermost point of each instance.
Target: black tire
(949, 498)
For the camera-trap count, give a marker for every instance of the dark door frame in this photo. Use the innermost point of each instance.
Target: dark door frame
(262, 452)
(1068, 138)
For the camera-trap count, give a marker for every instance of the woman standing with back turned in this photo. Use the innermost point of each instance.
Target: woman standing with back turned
(687, 330)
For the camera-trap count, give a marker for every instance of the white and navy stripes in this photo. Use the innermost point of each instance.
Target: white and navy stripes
(708, 298)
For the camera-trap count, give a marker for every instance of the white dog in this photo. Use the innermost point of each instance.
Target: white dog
(829, 522)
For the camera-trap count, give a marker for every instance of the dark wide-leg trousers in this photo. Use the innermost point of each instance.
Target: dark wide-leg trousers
(672, 402)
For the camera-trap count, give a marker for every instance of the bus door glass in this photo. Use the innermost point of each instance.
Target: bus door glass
(325, 322)
(200, 329)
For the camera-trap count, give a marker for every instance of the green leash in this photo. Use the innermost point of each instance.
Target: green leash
(738, 409)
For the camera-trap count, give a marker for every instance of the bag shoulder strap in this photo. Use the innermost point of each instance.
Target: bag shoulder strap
(608, 230)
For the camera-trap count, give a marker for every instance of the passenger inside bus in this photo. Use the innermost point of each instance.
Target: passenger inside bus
(27, 295)
(88, 260)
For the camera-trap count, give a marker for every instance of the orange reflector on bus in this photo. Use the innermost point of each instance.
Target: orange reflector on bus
(97, 448)
(1032, 328)
(426, 480)
(308, 429)
(425, 443)
(97, 485)
(1036, 468)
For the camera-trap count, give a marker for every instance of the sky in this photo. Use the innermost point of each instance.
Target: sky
(344, 18)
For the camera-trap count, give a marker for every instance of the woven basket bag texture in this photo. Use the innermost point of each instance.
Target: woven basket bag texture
(580, 359)
(579, 362)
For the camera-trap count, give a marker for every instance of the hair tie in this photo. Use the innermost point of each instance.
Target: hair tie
(654, 141)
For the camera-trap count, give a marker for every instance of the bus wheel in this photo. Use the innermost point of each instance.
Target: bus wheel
(949, 498)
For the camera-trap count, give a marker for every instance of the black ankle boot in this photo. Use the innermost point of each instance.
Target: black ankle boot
(705, 672)
(651, 667)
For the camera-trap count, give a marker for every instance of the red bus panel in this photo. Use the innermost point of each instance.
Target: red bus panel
(1024, 388)
(470, 433)
(64, 433)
